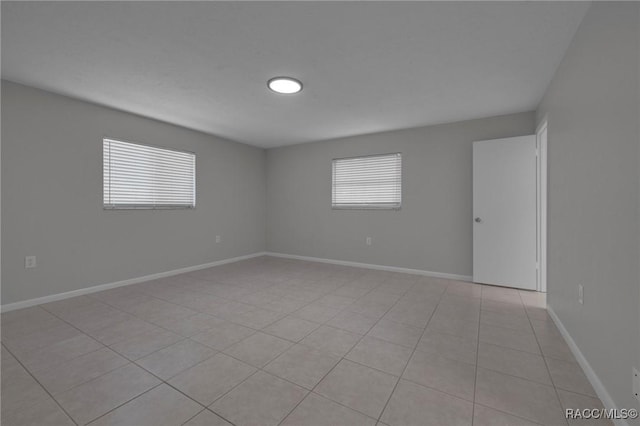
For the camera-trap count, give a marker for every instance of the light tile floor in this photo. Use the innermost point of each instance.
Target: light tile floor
(271, 341)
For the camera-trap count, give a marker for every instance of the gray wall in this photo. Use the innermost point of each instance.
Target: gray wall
(433, 229)
(52, 198)
(592, 107)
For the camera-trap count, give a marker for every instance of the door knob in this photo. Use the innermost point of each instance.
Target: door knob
(478, 220)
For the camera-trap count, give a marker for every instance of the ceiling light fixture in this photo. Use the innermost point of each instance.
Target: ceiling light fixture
(285, 85)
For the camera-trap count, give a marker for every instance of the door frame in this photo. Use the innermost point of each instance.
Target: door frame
(541, 203)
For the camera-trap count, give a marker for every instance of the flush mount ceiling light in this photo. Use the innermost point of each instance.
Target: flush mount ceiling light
(284, 85)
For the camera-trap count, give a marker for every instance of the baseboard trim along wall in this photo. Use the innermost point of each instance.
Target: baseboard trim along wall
(373, 266)
(601, 391)
(94, 289)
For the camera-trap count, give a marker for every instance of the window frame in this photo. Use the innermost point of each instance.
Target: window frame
(148, 206)
(366, 206)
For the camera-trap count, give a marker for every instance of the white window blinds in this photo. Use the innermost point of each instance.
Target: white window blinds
(372, 182)
(146, 177)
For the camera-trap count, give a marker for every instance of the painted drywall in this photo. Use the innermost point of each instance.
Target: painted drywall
(52, 198)
(432, 231)
(592, 108)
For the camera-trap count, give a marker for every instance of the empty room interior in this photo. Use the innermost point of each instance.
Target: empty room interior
(320, 213)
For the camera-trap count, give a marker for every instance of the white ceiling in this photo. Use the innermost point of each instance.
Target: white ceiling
(366, 67)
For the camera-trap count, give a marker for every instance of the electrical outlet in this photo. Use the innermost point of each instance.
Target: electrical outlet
(636, 384)
(29, 262)
(218, 239)
(580, 294)
(368, 241)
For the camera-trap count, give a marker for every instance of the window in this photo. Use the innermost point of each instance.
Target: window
(372, 182)
(146, 177)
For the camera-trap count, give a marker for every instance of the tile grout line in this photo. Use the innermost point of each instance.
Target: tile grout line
(194, 416)
(271, 374)
(97, 377)
(475, 378)
(343, 358)
(105, 346)
(66, 361)
(217, 351)
(39, 384)
(336, 364)
(511, 414)
(518, 377)
(166, 381)
(345, 309)
(424, 330)
(198, 363)
(257, 370)
(555, 389)
(221, 351)
(124, 403)
(206, 407)
(198, 312)
(90, 352)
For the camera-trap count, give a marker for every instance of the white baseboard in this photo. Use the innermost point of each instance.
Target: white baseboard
(94, 289)
(601, 391)
(373, 266)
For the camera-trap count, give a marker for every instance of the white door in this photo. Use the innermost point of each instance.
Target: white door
(504, 212)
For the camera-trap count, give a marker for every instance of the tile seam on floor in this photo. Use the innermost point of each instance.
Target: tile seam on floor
(163, 381)
(508, 328)
(40, 384)
(88, 380)
(181, 371)
(475, 378)
(68, 360)
(130, 361)
(150, 353)
(439, 355)
(166, 329)
(258, 370)
(118, 309)
(437, 389)
(509, 414)
(555, 389)
(341, 359)
(410, 357)
(519, 350)
(514, 376)
(124, 403)
(288, 340)
(194, 416)
(309, 302)
(206, 407)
